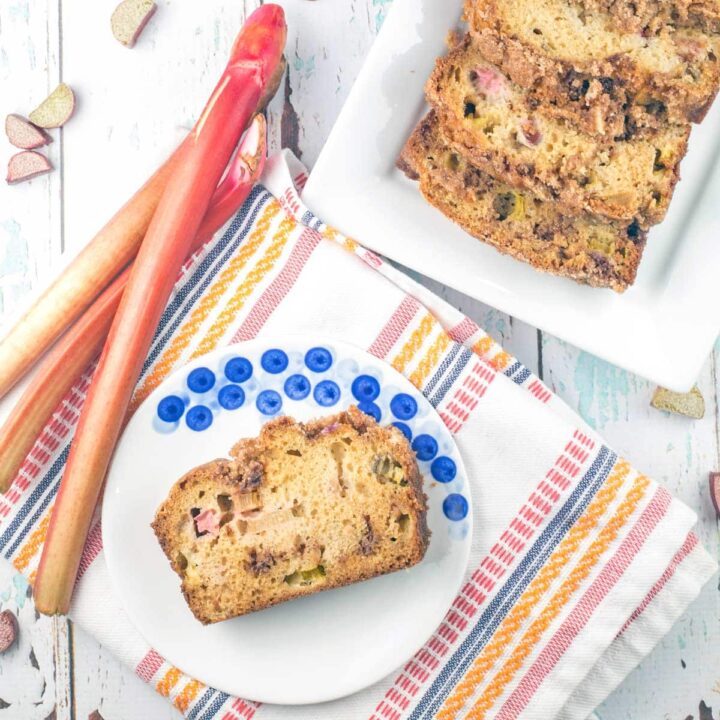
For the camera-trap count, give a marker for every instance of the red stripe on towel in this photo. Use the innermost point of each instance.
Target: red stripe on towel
(464, 331)
(395, 327)
(501, 558)
(583, 610)
(148, 666)
(688, 546)
(276, 292)
(93, 546)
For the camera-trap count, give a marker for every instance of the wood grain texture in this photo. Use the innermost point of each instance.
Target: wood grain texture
(134, 106)
(30, 213)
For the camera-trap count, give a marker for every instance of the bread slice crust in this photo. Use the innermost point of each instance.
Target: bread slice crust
(299, 509)
(584, 248)
(602, 61)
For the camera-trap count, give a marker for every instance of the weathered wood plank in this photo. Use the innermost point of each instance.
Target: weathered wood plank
(63, 664)
(30, 212)
(679, 453)
(103, 683)
(27, 681)
(30, 244)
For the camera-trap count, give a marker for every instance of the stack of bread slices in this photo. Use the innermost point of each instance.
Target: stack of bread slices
(557, 126)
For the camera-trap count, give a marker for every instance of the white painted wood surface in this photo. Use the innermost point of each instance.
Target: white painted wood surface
(133, 107)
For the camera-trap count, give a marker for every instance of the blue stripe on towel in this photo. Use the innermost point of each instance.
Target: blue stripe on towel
(517, 583)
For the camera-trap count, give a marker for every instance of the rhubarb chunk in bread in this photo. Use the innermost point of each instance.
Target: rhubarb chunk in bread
(485, 116)
(588, 249)
(658, 61)
(299, 509)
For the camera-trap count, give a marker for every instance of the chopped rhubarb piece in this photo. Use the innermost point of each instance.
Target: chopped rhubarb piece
(27, 165)
(715, 491)
(8, 630)
(56, 109)
(23, 134)
(690, 404)
(489, 83)
(207, 523)
(529, 133)
(130, 18)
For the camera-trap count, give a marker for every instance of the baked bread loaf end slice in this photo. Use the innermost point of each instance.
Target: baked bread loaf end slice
(300, 509)
(585, 248)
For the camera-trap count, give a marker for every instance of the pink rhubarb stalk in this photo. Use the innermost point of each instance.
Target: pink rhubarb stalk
(255, 57)
(91, 271)
(82, 281)
(83, 342)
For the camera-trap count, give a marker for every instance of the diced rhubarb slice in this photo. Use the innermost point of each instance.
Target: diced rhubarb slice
(27, 165)
(690, 404)
(8, 630)
(130, 18)
(715, 491)
(207, 523)
(23, 134)
(56, 109)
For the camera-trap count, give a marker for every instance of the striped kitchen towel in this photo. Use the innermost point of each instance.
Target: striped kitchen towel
(579, 562)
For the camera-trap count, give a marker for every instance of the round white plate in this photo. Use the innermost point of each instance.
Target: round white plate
(316, 648)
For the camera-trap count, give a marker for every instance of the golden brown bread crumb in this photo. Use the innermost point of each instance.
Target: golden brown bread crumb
(299, 509)
(585, 248)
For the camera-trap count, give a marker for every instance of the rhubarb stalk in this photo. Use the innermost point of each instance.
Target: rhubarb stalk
(255, 57)
(85, 339)
(104, 257)
(82, 281)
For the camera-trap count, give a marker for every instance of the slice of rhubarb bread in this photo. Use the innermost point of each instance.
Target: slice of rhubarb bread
(604, 61)
(588, 249)
(485, 116)
(299, 509)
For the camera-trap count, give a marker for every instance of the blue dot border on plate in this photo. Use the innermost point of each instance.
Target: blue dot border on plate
(272, 381)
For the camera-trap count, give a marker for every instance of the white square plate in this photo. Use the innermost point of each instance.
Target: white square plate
(662, 328)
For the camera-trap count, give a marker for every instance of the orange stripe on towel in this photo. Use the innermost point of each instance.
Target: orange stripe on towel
(189, 693)
(208, 303)
(168, 681)
(414, 343)
(33, 543)
(330, 233)
(431, 359)
(483, 346)
(501, 360)
(254, 278)
(561, 598)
